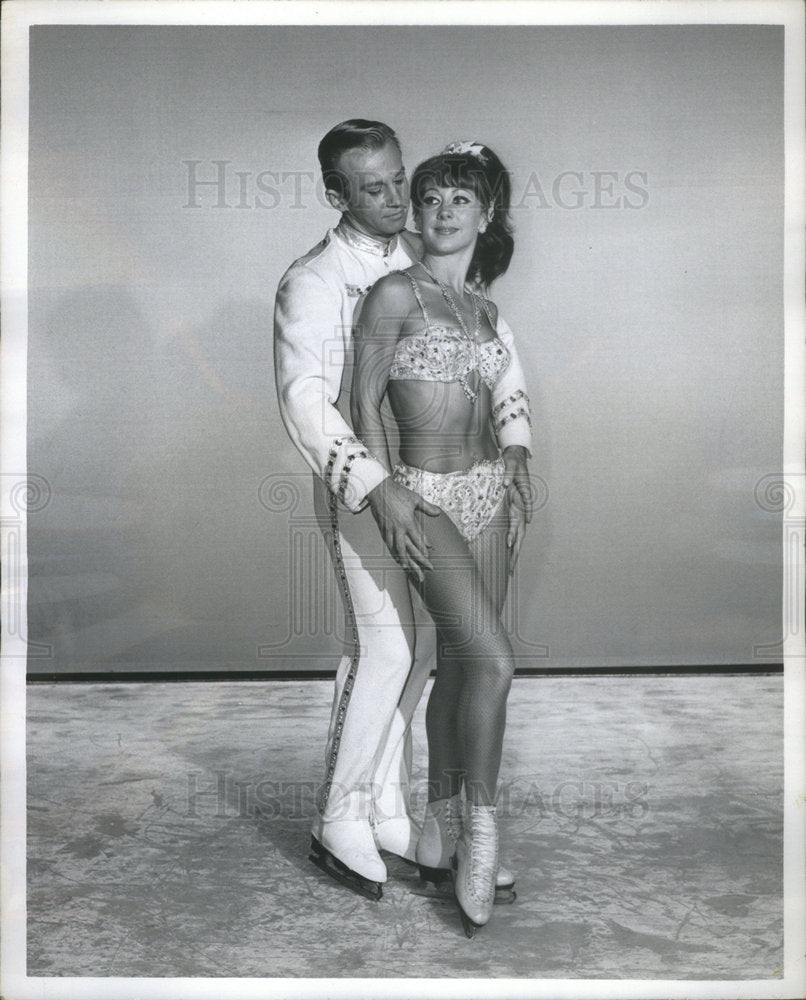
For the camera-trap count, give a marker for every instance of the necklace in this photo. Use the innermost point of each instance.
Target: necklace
(471, 393)
(454, 308)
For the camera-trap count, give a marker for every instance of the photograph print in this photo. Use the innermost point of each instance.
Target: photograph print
(404, 463)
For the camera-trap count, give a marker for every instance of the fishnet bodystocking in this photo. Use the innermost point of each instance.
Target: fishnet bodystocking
(466, 713)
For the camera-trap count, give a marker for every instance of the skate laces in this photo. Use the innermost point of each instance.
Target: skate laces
(483, 866)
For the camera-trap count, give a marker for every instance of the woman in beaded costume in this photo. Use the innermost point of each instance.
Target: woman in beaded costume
(428, 340)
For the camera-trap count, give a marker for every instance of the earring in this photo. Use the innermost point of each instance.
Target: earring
(483, 228)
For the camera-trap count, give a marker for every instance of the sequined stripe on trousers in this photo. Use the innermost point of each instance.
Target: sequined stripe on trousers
(344, 700)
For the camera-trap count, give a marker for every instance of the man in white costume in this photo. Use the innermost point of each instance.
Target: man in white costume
(363, 805)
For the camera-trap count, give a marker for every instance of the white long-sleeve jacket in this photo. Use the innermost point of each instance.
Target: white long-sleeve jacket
(313, 322)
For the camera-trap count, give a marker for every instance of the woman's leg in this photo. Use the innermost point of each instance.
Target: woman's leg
(490, 551)
(445, 767)
(467, 709)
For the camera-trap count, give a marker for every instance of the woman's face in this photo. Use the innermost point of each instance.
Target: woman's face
(449, 218)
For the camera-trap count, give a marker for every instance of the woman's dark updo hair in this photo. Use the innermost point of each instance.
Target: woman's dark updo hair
(476, 168)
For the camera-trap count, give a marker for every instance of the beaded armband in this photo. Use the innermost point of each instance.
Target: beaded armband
(354, 450)
(514, 406)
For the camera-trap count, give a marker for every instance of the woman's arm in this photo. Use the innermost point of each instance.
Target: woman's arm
(511, 421)
(511, 416)
(375, 337)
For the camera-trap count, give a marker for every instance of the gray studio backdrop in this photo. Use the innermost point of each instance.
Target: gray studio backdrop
(172, 180)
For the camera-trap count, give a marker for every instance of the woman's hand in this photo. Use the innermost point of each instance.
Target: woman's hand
(517, 525)
(520, 499)
(394, 508)
(516, 474)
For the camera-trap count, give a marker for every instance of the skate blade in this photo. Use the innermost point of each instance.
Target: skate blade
(439, 894)
(435, 883)
(469, 926)
(504, 894)
(436, 876)
(337, 870)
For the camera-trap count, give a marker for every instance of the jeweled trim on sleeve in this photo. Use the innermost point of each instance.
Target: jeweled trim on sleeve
(337, 473)
(511, 408)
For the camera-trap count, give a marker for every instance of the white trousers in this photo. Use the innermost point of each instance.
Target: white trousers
(379, 680)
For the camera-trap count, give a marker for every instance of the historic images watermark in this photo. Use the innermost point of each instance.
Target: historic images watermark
(221, 795)
(222, 184)
(24, 495)
(777, 494)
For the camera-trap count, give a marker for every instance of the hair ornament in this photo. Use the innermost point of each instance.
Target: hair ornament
(465, 146)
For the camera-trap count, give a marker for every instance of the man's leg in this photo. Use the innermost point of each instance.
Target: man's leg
(379, 644)
(394, 828)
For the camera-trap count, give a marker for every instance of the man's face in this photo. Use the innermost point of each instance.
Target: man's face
(377, 201)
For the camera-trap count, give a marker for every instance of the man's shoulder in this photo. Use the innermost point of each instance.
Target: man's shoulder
(318, 260)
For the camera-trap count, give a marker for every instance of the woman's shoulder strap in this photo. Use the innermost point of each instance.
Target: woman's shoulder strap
(415, 287)
(489, 306)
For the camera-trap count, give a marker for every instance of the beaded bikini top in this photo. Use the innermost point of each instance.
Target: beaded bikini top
(445, 354)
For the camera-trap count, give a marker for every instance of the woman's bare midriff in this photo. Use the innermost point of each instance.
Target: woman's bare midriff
(440, 429)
